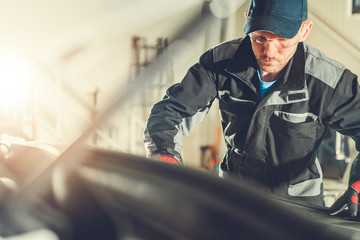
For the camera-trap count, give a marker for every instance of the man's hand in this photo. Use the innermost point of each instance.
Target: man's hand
(350, 199)
(165, 156)
(168, 159)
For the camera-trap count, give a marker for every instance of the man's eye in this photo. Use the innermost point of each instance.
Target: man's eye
(281, 39)
(261, 38)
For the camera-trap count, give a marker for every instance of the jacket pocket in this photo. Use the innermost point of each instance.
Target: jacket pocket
(232, 107)
(291, 141)
(309, 183)
(296, 117)
(235, 117)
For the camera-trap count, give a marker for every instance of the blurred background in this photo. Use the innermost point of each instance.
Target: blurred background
(63, 62)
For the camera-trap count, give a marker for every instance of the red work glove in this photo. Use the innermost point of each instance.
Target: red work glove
(168, 159)
(350, 199)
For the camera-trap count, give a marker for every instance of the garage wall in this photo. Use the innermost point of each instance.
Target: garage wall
(336, 31)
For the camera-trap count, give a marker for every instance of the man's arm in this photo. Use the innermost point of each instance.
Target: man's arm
(346, 120)
(184, 105)
(350, 198)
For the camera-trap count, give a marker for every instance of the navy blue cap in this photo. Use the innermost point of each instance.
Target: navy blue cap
(282, 17)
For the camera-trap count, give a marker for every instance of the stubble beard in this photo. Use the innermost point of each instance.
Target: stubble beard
(270, 65)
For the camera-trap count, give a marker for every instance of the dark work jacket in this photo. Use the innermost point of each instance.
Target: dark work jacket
(271, 140)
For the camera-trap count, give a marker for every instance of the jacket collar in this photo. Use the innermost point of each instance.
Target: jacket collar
(243, 65)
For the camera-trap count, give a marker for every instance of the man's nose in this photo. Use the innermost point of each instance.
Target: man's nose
(269, 48)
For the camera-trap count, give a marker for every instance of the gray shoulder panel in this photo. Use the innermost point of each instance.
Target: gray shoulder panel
(318, 65)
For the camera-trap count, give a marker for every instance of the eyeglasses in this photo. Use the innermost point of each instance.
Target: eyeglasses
(279, 43)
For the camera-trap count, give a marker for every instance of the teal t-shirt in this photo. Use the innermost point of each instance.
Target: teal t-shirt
(265, 86)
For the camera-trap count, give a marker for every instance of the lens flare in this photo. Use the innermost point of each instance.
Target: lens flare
(15, 79)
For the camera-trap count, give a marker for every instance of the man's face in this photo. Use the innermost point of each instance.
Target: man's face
(269, 50)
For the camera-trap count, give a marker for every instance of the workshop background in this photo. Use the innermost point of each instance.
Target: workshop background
(62, 63)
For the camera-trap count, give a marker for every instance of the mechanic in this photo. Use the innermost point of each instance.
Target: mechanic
(278, 96)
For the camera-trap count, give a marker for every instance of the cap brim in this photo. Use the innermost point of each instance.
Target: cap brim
(280, 26)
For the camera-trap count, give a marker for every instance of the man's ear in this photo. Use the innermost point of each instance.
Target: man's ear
(305, 30)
